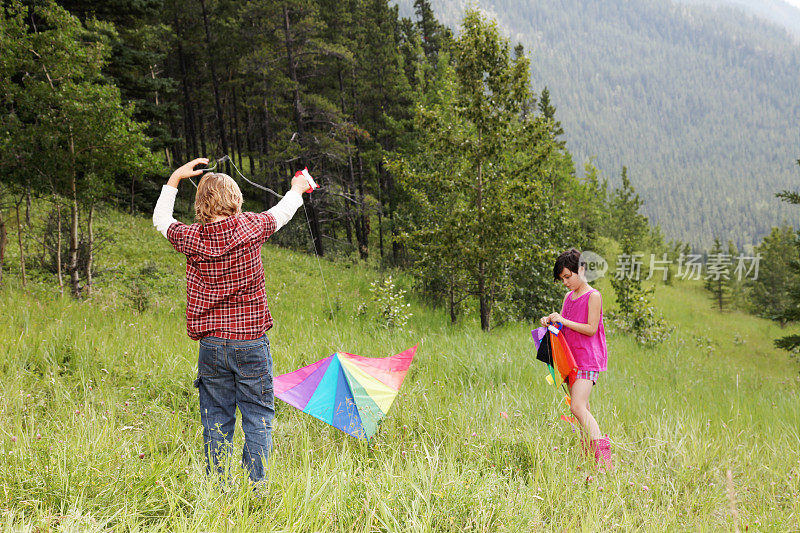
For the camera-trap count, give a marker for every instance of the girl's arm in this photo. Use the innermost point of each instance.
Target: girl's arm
(590, 328)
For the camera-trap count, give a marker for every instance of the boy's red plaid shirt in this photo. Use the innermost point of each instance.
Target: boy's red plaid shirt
(225, 294)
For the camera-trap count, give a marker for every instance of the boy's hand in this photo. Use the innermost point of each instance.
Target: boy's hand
(186, 171)
(300, 184)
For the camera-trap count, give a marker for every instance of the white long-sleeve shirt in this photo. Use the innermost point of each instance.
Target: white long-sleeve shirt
(283, 211)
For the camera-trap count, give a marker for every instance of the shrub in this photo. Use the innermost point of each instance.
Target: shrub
(392, 309)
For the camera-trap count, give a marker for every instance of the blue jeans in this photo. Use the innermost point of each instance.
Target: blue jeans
(234, 374)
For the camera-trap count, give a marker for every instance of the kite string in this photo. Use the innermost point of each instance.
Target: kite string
(324, 285)
(311, 233)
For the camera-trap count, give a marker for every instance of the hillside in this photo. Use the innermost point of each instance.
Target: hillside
(99, 426)
(785, 13)
(699, 103)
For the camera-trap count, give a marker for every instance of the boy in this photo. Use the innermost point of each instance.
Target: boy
(226, 308)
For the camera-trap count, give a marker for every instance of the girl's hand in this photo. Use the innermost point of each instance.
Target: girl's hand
(545, 320)
(555, 317)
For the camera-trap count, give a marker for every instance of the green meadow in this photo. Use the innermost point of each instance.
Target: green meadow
(100, 431)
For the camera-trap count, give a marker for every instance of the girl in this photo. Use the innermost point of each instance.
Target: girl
(582, 317)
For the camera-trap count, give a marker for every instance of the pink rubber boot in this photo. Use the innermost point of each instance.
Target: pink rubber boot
(602, 453)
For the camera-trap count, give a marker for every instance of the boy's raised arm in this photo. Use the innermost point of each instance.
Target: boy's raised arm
(162, 214)
(284, 210)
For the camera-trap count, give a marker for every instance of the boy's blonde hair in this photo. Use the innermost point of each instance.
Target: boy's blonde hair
(217, 195)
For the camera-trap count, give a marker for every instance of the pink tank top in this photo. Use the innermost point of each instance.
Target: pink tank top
(590, 352)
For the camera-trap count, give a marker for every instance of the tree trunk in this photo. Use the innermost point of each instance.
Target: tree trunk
(296, 104)
(215, 85)
(452, 303)
(73, 227)
(58, 249)
(90, 248)
(249, 143)
(133, 183)
(484, 304)
(21, 249)
(482, 297)
(28, 203)
(316, 234)
(236, 138)
(362, 224)
(3, 241)
(389, 181)
(188, 108)
(167, 156)
(348, 185)
(380, 212)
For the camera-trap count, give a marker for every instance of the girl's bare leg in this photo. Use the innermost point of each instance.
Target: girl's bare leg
(580, 391)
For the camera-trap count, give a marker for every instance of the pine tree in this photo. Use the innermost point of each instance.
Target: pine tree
(625, 223)
(769, 294)
(718, 274)
(480, 216)
(792, 313)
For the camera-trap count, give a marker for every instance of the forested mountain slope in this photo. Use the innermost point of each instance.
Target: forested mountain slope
(700, 103)
(784, 13)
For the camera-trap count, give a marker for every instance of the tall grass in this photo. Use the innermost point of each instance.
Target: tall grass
(99, 423)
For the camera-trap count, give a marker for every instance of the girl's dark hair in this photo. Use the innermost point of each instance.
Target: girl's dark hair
(570, 259)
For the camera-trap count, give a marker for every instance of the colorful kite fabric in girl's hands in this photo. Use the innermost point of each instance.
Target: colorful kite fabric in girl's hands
(553, 350)
(349, 392)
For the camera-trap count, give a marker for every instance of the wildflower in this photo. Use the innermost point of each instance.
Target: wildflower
(403, 453)
(645, 487)
(13, 438)
(141, 456)
(474, 434)
(38, 436)
(589, 479)
(503, 414)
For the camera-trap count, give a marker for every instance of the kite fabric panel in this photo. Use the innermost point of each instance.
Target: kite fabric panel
(553, 350)
(350, 392)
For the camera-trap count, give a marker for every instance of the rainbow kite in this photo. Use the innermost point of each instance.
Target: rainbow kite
(552, 349)
(347, 391)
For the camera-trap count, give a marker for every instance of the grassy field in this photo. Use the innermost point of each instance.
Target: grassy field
(99, 422)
